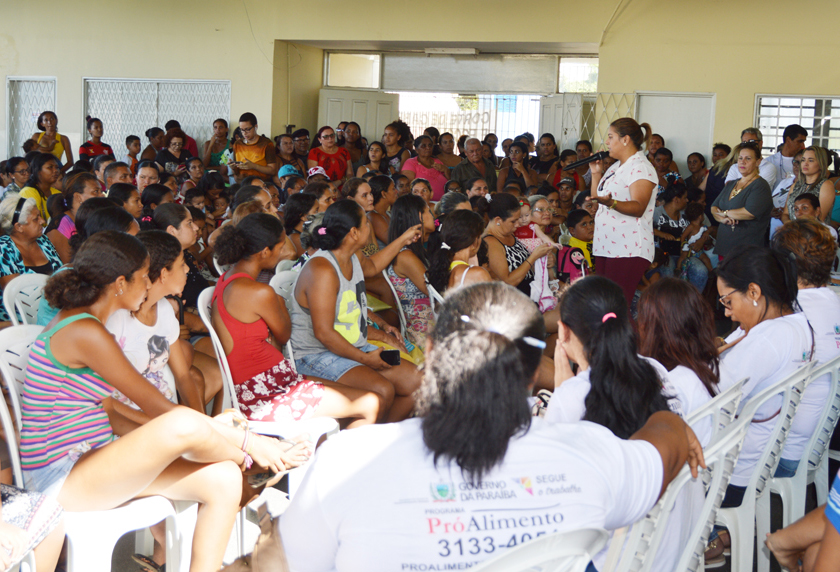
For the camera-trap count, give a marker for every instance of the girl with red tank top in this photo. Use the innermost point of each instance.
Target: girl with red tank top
(246, 313)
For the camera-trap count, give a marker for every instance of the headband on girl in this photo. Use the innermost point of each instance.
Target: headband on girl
(608, 316)
(18, 209)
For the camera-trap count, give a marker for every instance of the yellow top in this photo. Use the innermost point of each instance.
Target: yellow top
(58, 148)
(35, 194)
(455, 263)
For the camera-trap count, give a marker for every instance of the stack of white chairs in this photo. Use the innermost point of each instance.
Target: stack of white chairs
(91, 535)
(21, 297)
(634, 549)
(812, 468)
(740, 521)
(569, 551)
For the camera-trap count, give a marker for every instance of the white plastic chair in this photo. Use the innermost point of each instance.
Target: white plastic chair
(23, 294)
(91, 535)
(28, 560)
(220, 270)
(722, 408)
(645, 537)
(569, 551)
(792, 490)
(740, 521)
(283, 281)
(434, 298)
(638, 550)
(403, 321)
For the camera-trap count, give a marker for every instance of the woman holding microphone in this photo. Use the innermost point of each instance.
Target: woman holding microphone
(623, 243)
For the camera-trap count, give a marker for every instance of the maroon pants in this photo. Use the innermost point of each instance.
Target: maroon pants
(626, 272)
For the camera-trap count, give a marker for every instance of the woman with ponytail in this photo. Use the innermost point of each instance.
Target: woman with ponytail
(329, 311)
(152, 197)
(68, 445)
(246, 312)
(472, 443)
(615, 386)
(460, 236)
(623, 243)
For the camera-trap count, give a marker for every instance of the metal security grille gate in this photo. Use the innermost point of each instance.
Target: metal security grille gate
(27, 98)
(130, 107)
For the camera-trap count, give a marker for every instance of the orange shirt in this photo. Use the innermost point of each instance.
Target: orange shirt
(259, 153)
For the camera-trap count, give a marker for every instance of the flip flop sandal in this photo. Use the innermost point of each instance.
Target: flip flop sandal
(714, 557)
(148, 564)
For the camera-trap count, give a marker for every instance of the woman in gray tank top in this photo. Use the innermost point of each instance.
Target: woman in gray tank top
(329, 312)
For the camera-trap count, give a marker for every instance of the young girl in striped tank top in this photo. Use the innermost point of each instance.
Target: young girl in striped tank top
(68, 445)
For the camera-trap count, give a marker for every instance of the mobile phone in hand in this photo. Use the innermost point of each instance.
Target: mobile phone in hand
(391, 357)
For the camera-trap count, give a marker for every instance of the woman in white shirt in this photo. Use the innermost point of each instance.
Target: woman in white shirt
(474, 473)
(813, 248)
(623, 243)
(757, 286)
(614, 387)
(677, 329)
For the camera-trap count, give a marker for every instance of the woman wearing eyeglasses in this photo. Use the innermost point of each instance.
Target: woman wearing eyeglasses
(18, 170)
(335, 160)
(758, 288)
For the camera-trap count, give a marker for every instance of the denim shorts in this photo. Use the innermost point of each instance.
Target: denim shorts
(327, 365)
(49, 480)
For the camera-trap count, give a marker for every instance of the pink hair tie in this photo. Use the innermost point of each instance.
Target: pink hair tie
(322, 231)
(608, 316)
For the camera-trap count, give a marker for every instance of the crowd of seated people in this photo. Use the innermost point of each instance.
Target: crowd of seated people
(503, 276)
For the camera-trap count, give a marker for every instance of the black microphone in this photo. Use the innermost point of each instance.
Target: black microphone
(599, 156)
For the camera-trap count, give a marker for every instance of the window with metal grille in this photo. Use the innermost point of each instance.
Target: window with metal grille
(26, 98)
(130, 107)
(820, 115)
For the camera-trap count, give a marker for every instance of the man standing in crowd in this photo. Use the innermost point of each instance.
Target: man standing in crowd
(301, 141)
(793, 141)
(475, 165)
(117, 172)
(766, 169)
(255, 155)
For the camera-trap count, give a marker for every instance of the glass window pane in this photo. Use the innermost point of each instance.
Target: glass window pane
(354, 70)
(578, 75)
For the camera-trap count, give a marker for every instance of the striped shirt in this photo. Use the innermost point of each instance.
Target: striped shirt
(61, 407)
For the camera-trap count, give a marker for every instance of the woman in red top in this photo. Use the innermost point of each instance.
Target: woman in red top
(335, 160)
(245, 312)
(92, 149)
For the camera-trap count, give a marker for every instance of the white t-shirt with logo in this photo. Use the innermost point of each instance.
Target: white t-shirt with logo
(373, 500)
(772, 351)
(148, 347)
(618, 235)
(822, 308)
